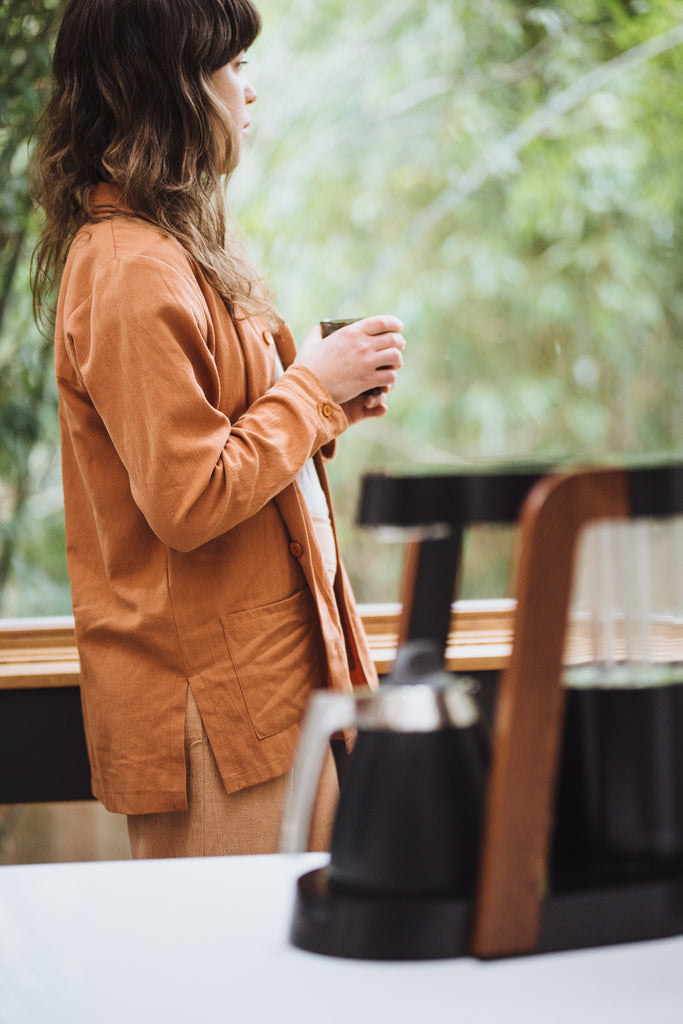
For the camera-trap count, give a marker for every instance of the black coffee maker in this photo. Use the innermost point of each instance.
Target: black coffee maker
(514, 885)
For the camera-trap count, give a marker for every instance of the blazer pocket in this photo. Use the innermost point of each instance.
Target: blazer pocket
(277, 654)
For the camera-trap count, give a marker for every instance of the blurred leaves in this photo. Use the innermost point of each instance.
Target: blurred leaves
(28, 427)
(504, 175)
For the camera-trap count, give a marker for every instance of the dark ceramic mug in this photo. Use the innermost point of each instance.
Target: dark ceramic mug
(330, 326)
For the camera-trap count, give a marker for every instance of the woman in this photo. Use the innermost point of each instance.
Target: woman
(206, 585)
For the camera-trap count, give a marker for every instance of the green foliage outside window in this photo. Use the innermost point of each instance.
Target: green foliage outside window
(32, 572)
(505, 176)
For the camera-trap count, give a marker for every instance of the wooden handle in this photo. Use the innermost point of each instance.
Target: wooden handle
(529, 717)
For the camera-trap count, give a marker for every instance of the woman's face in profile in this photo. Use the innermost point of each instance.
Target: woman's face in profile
(236, 92)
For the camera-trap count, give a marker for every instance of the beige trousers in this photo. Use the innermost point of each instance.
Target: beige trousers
(218, 823)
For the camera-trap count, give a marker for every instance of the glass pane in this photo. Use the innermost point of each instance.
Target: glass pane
(626, 620)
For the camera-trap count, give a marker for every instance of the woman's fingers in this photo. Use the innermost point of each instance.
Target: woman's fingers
(384, 324)
(363, 355)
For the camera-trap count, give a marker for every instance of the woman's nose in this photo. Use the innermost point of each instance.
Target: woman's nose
(249, 92)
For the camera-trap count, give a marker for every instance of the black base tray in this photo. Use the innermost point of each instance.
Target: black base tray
(603, 913)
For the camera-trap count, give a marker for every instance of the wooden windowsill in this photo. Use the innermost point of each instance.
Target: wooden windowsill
(42, 652)
(480, 636)
(38, 652)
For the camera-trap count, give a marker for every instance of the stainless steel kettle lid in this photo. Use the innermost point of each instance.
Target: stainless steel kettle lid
(419, 696)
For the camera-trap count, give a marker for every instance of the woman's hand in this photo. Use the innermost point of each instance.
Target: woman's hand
(366, 354)
(364, 406)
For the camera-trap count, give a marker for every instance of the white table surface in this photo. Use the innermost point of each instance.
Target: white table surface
(206, 940)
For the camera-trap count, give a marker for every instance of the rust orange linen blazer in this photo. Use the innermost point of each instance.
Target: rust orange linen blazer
(191, 553)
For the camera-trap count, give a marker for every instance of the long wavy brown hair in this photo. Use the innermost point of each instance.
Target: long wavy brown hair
(132, 104)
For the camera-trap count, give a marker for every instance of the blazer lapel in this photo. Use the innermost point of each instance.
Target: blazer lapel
(258, 346)
(286, 346)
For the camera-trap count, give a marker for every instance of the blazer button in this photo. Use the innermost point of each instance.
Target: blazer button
(326, 411)
(296, 549)
(268, 337)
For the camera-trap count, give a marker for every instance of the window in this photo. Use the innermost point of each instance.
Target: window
(503, 175)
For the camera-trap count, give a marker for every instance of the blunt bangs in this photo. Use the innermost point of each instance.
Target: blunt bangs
(238, 23)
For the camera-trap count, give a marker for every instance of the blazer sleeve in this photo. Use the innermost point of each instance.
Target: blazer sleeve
(140, 349)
